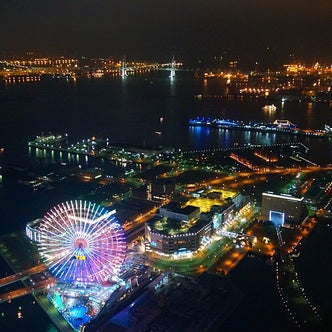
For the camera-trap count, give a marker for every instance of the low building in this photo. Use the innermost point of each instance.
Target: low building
(176, 230)
(214, 195)
(184, 229)
(161, 189)
(220, 196)
(185, 214)
(174, 238)
(32, 231)
(222, 214)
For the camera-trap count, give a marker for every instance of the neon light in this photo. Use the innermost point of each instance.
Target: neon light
(80, 257)
(82, 241)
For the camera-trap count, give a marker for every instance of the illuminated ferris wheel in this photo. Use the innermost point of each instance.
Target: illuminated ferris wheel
(82, 242)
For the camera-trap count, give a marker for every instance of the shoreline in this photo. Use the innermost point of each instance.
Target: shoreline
(53, 315)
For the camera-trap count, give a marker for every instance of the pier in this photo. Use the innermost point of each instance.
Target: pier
(277, 127)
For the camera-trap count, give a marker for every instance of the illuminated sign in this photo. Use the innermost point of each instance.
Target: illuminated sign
(80, 257)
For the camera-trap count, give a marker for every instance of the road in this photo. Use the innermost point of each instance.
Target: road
(297, 305)
(37, 287)
(22, 275)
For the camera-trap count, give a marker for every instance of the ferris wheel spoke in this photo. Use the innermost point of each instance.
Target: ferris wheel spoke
(81, 241)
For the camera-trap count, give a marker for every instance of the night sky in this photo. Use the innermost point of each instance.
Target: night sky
(256, 30)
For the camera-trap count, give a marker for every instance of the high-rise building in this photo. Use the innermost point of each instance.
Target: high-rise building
(283, 209)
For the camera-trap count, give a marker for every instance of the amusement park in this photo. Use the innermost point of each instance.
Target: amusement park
(84, 251)
(93, 276)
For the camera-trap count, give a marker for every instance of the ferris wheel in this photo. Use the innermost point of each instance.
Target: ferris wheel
(82, 242)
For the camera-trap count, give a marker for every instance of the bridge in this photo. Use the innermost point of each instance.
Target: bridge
(232, 235)
(171, 66)
(34, 288)
(235, 235)
(21, 276)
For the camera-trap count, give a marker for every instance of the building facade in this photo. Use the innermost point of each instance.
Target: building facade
(283, 210)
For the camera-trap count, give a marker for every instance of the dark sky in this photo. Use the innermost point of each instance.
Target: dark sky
(150, 29)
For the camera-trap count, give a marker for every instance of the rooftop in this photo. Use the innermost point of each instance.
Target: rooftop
(170, 226)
